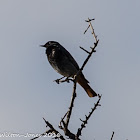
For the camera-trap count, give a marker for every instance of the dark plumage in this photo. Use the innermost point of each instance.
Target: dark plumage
(62, 61)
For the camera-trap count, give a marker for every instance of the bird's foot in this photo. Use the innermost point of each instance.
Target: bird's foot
(67, 79)
(58, 81)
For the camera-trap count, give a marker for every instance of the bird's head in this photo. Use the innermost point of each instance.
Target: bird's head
(49, 43)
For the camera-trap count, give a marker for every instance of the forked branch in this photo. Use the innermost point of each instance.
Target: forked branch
(65, 120)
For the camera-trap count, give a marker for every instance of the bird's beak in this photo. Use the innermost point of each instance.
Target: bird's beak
(42, 45)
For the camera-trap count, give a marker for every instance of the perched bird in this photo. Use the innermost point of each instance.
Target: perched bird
(62, 61)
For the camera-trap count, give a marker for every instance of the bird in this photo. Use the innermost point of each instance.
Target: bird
(63, 62)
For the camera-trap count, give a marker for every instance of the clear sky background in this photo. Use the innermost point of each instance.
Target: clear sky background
(27, 90)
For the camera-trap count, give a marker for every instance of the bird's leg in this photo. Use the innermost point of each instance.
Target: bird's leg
(67, 79)
(59, 80)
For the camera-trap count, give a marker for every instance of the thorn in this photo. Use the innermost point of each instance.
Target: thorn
(99, 95)
(80, 119)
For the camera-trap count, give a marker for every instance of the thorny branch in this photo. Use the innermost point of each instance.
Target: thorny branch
(84, 122)
(68, 114)
(52, 130)
(95, 44)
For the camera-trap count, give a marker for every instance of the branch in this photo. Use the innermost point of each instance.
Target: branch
(94, 35)
(68, 114)
(89, 20)
(84, 50)
(86, 29)
(72, 104)
(84, 122)
(92, 48)
(51, 130)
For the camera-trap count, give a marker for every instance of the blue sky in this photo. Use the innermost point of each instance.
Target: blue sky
(28, 92)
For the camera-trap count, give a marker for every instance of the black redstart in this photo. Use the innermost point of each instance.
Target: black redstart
(62, 61)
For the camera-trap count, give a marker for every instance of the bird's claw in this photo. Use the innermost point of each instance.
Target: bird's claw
(67, 79)
(58, 80)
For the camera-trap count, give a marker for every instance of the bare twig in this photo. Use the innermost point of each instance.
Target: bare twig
(68, 115)
(112, 135)
(89, 20)
(95, 45)
(86, 29)
(84, 50)
(51, 130)
(71, 105)
(84, 122)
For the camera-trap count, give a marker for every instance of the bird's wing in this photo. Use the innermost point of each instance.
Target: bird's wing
(69, 56)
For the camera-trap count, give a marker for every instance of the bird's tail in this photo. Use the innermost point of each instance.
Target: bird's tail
(84, 83)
